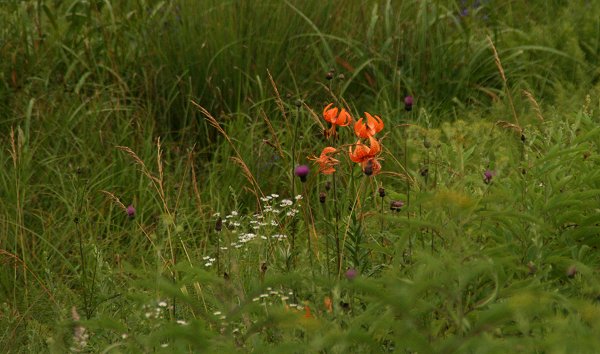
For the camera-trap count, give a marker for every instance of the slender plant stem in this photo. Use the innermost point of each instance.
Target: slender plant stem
(293, 231)
(337, 227)
(325, 217)
(218, 252)
(406, 168)
(357, 209)
(427, 166)
(92, 286)
(83, 271)
(294, 138)
(381, 231)
(407, 189)
(310, 249)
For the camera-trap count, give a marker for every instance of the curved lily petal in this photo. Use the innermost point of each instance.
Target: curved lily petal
(336, 117)
(363, 153)
(326, 162)
(373, 126)
(329, 114)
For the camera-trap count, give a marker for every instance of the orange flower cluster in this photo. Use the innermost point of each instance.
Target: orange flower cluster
(367, 156)
(332, 116)
(325, 161)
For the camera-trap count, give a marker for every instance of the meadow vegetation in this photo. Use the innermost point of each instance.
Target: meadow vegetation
(194, 176)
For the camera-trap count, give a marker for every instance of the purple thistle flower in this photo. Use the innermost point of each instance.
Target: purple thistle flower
(487, 176)
(408, 103)
(302, 171)
(130, 211)
(351, 273)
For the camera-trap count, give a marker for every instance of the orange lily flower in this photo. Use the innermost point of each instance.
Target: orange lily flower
(367, 156)
(373, 126)
(325, 161)
(336, 117)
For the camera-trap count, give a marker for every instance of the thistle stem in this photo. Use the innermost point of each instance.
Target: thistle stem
(407, 189)
(292, 255)
(310, 250)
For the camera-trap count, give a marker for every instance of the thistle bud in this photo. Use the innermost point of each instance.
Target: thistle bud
(368, 170)
(396, 205)
(487, 176)
(571, 271)
(219, 225)
(381, 192)
(130, 211)
(329, 75)
(322, 197)
(408, 103)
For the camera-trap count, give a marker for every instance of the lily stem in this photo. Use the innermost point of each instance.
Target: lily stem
(337, 228)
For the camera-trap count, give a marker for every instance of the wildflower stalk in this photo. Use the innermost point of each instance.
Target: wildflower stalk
(359, 216)
(325, 217)
(407, 189)
(290, 260)
(293, 230)
(218, 228)
(426, 176)
(90, 311)
(311, 225)
(382, 195)
(83, 270)
(294, 148)
(406, 169)
(337, 227)
(218, 254)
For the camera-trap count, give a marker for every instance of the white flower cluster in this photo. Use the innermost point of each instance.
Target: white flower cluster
(274, 214)
(220, 315)
(279, 237)
(246, 237)
(233, 214)
(273, 295)
(156, 312)
(209, 261)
